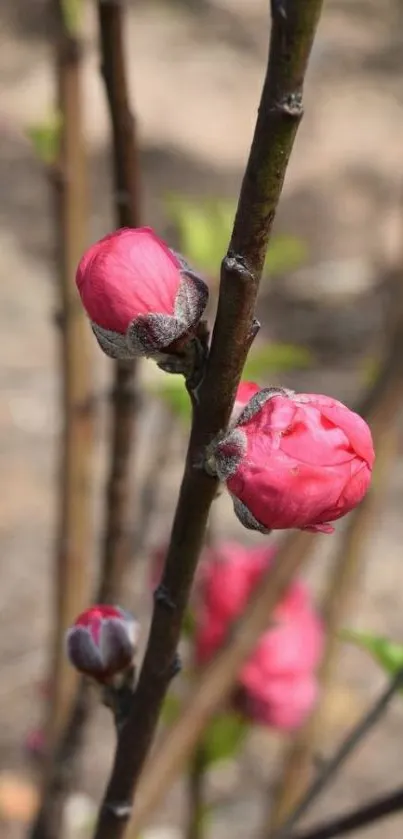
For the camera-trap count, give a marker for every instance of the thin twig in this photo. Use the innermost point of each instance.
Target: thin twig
(195, 799)
(67, 702)
(164, 435)
(280, 111)
(349, 744)
(356, 819)
(117, 544)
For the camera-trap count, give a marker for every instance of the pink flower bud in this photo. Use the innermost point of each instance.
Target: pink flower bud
(276, 686)
(102, 642)
(294, 460)
(243, 395)
(141, 297)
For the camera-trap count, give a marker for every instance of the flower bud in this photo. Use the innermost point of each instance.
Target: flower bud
(294, 460)
(141, 297)
(102, 642)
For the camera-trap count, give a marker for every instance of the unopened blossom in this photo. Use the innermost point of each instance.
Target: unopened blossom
(102, 642)
(277, 685)
(294, 460)
(141, 297)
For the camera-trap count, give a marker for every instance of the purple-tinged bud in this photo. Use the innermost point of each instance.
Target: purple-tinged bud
(102, 642)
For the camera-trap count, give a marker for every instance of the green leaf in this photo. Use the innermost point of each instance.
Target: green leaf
(45, 138)
(388, 654)
(370, 370)
(286, 253)
(170, 709)
(273, 358)
(204, 227)
(223, 737)
(176, 397)
(72, 11)
(189, 624)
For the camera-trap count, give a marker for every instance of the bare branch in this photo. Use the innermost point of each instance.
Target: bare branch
(370, 813)
(117, 545)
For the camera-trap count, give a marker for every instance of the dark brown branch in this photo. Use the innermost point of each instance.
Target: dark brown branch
(117, 545)
(357, 819)
(279, 114)
(75, 525)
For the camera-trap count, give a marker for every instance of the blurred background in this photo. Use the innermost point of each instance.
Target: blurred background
(196, 68)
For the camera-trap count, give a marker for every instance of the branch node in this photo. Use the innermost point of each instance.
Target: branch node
(254, 330)
(176, 666)
(290, 106)
(163, 598)
(278, 7)
(121, 810)
(234, 266)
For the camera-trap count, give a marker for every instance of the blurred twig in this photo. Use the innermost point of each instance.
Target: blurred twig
(160, 452)
(363, 816)
(195, 788)
(74, 548)
(117, 547)
(355, 736)
(280, 111)
(75, 523)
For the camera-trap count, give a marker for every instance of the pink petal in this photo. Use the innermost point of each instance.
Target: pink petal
(126, 274)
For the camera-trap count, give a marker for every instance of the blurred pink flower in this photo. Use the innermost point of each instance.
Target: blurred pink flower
(140, 296)
(294, 460)
(277, 683)
(35, 743)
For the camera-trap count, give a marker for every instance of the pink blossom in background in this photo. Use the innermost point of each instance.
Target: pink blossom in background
(140, 296)
(294, 460)
(35, 743)
(277, 684)
(102, 642)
